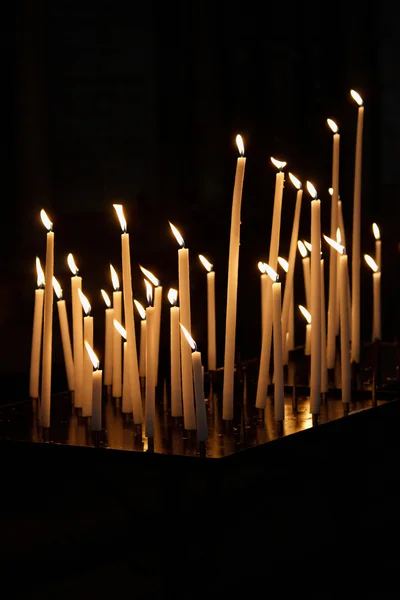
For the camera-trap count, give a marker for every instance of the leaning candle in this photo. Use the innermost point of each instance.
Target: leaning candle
(48, 323)
(65, 337)
(108, 340)
(378, 245)
(315, 374)
(189, 415)
(264, 291)
(143, 339)
(97, 386)
(37, 333)
(150, 365)
(306, 271)
(175, 356)
(232, 291)
(307, 343)
(211, 325)
(288, 336)
(129, 320)
(279, 404)
(157, 317)
(117, 342)
(201, 414)
(376, 278)
(87, 389)
(356, 250)
(126, 390)
(77, 331)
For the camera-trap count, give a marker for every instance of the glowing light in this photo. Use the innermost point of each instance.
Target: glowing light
(189, 338)
(302, 249)
(206, 264)
(85, 302)
(269, 270)
(114, 278)
(279, 164)
(72, 264)
(330, 190)
(308, 245)
(356, 96)
(141, 310)
(40, 274)
(177, 235)
(106, 298)
(57, 288)
(149, 292)
(261, 267)
(173, 296)
(376, 232)
(45, 220)
(341, 249)
(371, 263)
(93, 357)
(305, 313)
(295, 181)
(119, 209)
(150, 276)
(311, 190)
(338, 236)
(284, 264)
(332, 125)
(120, 329)
(239, 144)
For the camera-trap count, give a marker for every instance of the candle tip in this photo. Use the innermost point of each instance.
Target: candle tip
(332, 125)
(356, 96)
(177, 235)
(240, 144)
(279, 164)
(189, 338)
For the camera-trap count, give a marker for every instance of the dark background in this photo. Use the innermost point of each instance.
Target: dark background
(142, 105)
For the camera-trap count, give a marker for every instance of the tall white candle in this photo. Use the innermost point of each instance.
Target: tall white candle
(264, 292)
(87, 390)
(117, 340)
(315, 375)
(265, 357)
(211, 324)
(126, 381)
(77, 331)
(285, 336)
(189, 415)
(201, 414)
(143, 339)
(324, 370)
(376, 280)
(378, 245)
(279, 396)
(356, 249)
(108, 339)
(306, 272)
(48, 323)
(65, 337)
(307, 315)
(175, 355)
(290, 340)
(129, 321)
(150, 366)
(37, 333)
(157, 317)
(231, 299)
(97, 385)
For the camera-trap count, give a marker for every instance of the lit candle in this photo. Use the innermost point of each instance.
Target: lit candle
(288, 337)
(231, 298)
(117, 341)
(356, 250)
(48, 323)
(189, 415)
(264, 291)
(126, 390)
(176, 388)
(306, 272)
(201, 414)
(376, 278)
(37, 333)
(315, 374)
(307, 316)
(150, 364)
(279, 403)
(77, 331)
(87, 389)
(333, 262)
(108, 340)
(324, 370)
(211, 325)
(132, 359)
(378, 246)
(157, 317)
(143, 339)
(97, 386)
(338, 275)
(265, 357)
(65, 337)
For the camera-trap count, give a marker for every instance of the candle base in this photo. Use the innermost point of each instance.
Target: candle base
(202, 449)
(315, 420)
(150, 444)
(294, 395)
(355, 376)
(46, 434)
(346, 409)
(96, 438)
(279, 428)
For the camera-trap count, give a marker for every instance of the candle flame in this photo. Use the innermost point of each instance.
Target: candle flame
(330, 190)
(141, 310)
(93, 357)
(150, 276)
(177, 235)
(332, 125)
(295, 181)
(57, 288)
(119, 209)
(356, 96)
(173, 296)
(106, 298)
(85, 302)
(338, 236)
(341, 249)
(284, 264)
(376, 232)
(279, 164)
(40, 274)
(120, 329)
(302, 249)
(189, 338)
(149, 292)
(371, 263)
(114, 278)
(269, 270)
(46, 221)
(308, 245)
(206, 264)
(305, 313)
(261, 267)
(311, 190)
(239, 144)
(72, 264)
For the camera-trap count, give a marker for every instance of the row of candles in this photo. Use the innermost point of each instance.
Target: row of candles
(187, 386)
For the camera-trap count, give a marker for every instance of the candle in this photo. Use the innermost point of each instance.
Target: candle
(189, 415)
(287, 309)
(324, 370)
(133, 370)
(108, 340)
(48, 323)
(231, 298)
(157, 317)
(264, 291)
(37, 333)
(77, 331)
(378, 246)
(332, 308)
(175, 356)
(307, 316)
(285, 336)
(315, 375)
(279, 403)
(356, 249)
(150, 364)
(126, 389)
(97, 386)
(263, 376)
(65, 337)
(201, 414)
(376, 278)
(143, 339)
(306, 272)
(87, 388)
(211, 324)
(338, 275)
(117, 341)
